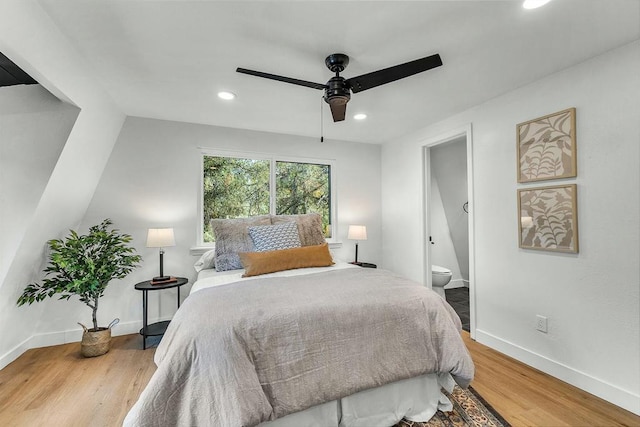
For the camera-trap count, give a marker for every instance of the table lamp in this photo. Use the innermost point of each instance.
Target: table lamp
(160, 238)
(357, 232)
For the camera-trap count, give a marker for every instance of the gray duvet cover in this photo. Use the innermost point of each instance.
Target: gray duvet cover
(252, 351)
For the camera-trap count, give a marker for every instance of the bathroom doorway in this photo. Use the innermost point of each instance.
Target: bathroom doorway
(449, 218)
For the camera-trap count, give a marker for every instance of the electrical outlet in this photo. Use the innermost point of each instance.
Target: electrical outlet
(541, 323)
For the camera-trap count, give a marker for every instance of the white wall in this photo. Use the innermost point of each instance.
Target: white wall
(29, 39)
(592, 299)
(28, 155)
(34, 126)
(152, 180)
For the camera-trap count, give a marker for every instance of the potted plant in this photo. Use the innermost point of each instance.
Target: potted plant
(83, 266)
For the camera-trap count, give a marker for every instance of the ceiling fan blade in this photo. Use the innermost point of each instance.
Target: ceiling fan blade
(338, 110)
(281, 78)
(391, 74)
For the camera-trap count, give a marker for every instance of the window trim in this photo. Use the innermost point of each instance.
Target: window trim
(273, 158)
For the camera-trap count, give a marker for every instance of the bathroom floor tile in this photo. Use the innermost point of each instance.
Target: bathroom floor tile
(458, 298)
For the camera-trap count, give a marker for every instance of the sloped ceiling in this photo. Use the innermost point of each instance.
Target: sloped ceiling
(168, 59)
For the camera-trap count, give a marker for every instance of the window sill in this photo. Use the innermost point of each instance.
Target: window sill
(200, 250)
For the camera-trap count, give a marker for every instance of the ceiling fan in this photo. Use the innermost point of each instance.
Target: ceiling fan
(337, 91)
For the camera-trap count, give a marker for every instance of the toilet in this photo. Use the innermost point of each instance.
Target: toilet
(440, 276)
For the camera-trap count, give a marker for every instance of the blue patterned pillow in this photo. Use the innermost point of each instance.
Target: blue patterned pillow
(274, 237)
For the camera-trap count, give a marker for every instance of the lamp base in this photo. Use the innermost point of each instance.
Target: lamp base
(364, 264)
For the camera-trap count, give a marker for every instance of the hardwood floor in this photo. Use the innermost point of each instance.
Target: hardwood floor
(527, 397)
(56, 386)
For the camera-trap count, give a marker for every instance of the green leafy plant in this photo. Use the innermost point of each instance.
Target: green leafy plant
(83, 265)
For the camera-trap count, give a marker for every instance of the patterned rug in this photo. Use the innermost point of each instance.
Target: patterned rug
(469, 410)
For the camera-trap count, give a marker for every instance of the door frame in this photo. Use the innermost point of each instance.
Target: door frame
(455, 133)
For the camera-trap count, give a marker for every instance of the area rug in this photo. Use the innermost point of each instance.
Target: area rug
(469, 410)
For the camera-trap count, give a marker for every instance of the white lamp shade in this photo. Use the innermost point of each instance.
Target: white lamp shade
(160, 238)
(357, 232)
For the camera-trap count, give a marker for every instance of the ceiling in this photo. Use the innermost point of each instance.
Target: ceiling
(168, 59)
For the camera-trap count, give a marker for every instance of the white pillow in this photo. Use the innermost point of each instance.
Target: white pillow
(206, 261)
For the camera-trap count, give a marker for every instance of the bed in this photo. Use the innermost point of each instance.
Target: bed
(326, 345)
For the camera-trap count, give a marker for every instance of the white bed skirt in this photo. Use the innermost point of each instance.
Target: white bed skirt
(416, 399)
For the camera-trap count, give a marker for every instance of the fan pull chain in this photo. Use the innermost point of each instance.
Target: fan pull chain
(321, 120)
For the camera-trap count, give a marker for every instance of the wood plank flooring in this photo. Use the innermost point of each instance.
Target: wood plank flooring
(56, 386)
(527, 397)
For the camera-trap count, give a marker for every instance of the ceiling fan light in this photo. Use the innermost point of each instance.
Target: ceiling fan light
(360, 116)
(534, 4)
(227, 96)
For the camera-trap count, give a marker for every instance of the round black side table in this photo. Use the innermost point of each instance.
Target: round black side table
(157, 328)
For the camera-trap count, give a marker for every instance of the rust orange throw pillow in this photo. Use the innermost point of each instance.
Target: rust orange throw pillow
(256, 263)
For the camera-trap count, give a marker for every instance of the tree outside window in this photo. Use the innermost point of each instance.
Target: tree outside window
(236, 187)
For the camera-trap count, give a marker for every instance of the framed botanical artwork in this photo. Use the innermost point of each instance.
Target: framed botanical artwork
(548, 218)
(547, 147)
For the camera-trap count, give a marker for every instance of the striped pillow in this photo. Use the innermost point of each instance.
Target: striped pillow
(275, 237)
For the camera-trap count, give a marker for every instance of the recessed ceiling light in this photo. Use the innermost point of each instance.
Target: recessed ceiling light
(360, 116)
(226, 95)
(533, 4)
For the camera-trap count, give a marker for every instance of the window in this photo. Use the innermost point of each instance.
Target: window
(240, 186)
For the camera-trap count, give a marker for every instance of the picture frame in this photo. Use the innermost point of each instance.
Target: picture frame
(547, 147)
(548, 218)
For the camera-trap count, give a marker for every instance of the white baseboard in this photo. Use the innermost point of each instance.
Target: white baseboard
(14, 353)
(623, 398)
(75, 335)
(66, 337)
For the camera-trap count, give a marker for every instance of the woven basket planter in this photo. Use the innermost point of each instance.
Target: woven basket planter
(96, 343)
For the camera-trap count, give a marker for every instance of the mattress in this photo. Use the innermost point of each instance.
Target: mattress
(210, 277)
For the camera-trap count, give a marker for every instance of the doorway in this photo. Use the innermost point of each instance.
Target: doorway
(448, 218)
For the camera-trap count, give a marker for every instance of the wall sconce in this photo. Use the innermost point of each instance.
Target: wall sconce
(357, 232)
(161, 238)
